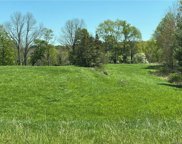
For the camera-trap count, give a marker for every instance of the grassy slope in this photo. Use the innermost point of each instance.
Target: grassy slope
(81, 105)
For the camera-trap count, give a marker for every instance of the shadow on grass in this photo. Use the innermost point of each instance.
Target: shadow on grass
(171, 85)
(154, 67)
(159, 70)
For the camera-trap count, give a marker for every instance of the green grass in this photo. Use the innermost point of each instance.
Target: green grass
(82, 105)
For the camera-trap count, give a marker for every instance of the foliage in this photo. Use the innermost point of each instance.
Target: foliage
(47, 34)
(150, 49)
(7, 51)
(119, 37)
(88, 50)
(140, 58)
(165, 36)
(63, 55)
(115, 42)
(43, 54)
(97, 53)
(37, 55)
(178, 49)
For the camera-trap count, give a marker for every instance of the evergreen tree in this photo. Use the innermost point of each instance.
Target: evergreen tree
(88, 50)
(38, 54)
(98, 57)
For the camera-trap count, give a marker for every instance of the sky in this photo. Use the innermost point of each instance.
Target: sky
(53, 14)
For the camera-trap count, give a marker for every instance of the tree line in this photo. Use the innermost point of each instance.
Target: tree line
(167, 43)
(24, 42)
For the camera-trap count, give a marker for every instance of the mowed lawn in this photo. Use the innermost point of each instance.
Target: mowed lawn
(70, 104)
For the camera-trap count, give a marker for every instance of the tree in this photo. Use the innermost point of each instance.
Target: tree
(31, 33)
(106, 29)
(126, 33)
(37, 56)
(69, 31)
(98, 57)
(165, 37)
(178, 48)
(120, 37)
(131, 35)
(107, 32)
(88, 50)
(80, 54)
(47, 37)
(133, 38)
(63, 55)
(51, 55)
(43, 53)
(111, 49)
(15, 31)
(47, 34)
(23, 30)
(150, 49)
(7, 52)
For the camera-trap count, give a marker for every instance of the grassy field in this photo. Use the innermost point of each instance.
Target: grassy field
(83, 105)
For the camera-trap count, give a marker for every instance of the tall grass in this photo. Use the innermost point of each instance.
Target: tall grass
(89, 132)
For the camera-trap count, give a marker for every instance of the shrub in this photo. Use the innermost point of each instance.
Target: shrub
(140, 58)
(176, 78)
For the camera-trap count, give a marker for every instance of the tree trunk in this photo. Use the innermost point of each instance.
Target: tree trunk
(3, 54)
(124, 54)
(19, 59)
(25, 59)
(131, 55)
(115, 55)
(25, 56)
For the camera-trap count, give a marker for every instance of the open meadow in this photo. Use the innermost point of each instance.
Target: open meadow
(68, 104)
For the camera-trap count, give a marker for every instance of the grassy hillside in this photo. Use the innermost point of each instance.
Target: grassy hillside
(81, 105)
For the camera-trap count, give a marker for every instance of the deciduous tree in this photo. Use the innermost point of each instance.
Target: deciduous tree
(23, 31)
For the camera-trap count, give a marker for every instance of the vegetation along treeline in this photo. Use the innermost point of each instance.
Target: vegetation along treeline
(24, 42)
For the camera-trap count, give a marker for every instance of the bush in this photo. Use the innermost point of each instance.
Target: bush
(176, 78)
(140, 58)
